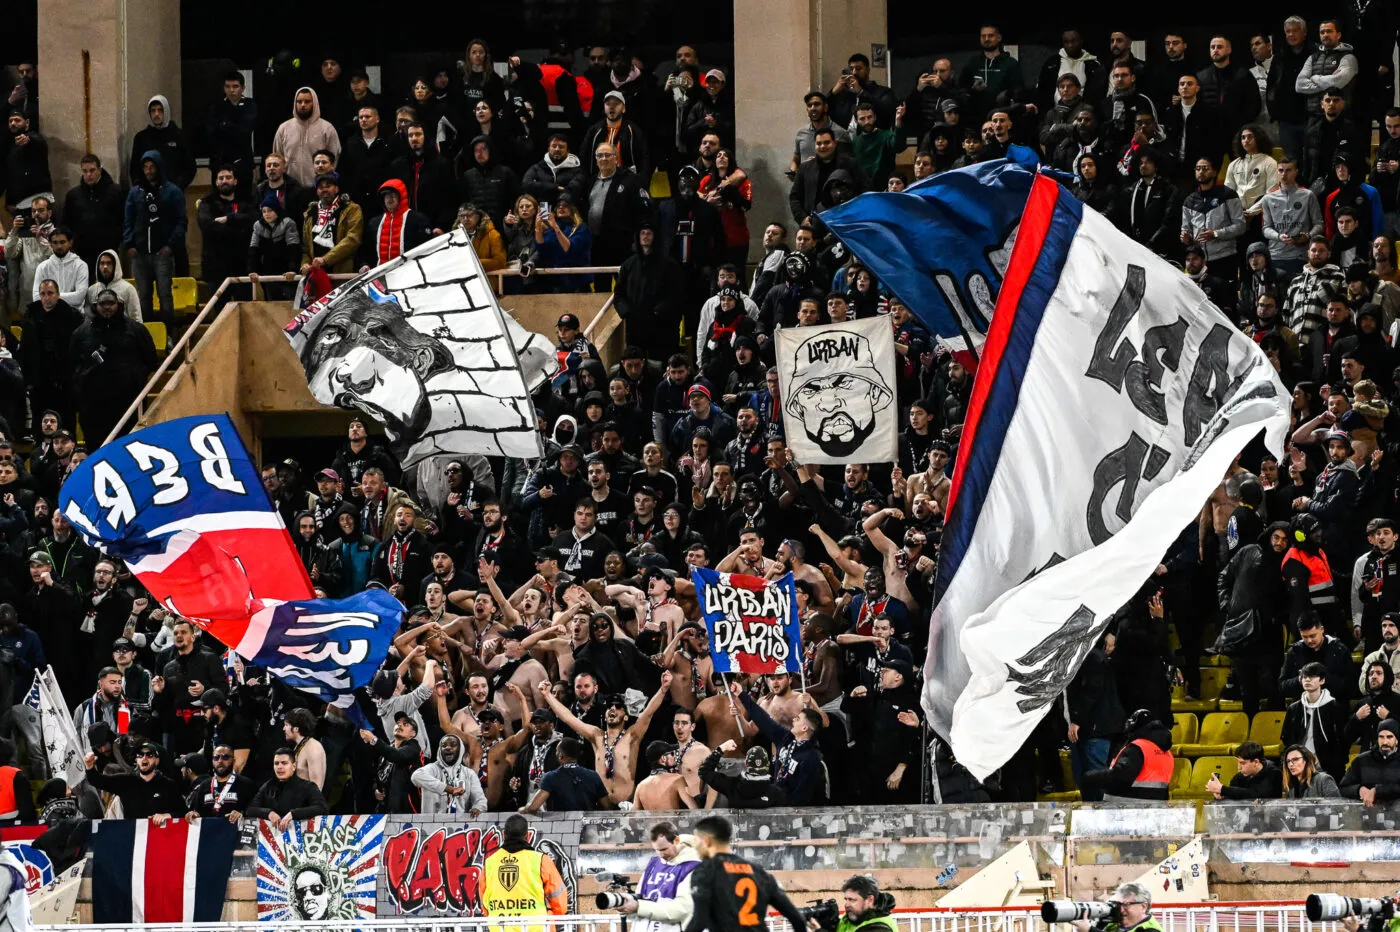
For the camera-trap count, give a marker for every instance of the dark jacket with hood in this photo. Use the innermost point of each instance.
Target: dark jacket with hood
(26, 167)
(1266, 784)
(431, 188)
(1117, 779)
(354, 552)
(316, 555)
(543, 180)
(741, 792)
(491, 185)
(810, 185)
(155, 211)
(649, 288)
(394, 775)
(94, 213)
(167, 139)
(1362, 731)
(112, 358)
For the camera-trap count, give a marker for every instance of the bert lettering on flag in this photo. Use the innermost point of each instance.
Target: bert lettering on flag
(1111, 399)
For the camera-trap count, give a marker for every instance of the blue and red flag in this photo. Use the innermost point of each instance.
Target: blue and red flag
(752, 622)
(177, 872)
(183, 504)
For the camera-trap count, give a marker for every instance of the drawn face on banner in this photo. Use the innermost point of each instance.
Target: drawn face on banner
(837, 391)
(367, 356)
(311, 893)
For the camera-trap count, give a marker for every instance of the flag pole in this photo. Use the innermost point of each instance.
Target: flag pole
(733, 706)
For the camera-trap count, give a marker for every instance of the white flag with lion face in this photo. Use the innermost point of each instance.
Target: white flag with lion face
(838, 392)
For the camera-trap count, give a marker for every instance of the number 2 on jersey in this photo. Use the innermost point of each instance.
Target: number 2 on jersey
(747, 889)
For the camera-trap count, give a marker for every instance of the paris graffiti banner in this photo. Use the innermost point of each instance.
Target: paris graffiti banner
(433, 868)
(323, 868)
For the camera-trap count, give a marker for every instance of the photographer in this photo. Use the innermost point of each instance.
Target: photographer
(866, 906)
(663, 899)
(1134, 911)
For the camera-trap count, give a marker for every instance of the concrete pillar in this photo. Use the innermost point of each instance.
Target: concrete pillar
(782, 49)
(99, 62)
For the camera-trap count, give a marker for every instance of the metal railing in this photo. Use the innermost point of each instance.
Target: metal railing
(214, 306)
(1282, 916)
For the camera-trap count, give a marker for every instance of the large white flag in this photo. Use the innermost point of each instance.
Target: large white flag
(421, 345)
(838, 390)
(61, 744)
(1110, 401)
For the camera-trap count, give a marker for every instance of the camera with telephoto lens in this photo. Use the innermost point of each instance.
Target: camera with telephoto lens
(1052, 911)
(826, 912)
(619, 890)
(1330, 907)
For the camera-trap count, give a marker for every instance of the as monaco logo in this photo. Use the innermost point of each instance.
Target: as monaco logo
(510, 873)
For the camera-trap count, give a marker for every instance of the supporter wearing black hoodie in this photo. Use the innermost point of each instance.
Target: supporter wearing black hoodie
(353, 550)
(649, 286)
(1142, 769)
(394, 791)
(1379, 701)
(428, 178)
(488, 182)
(163, 135)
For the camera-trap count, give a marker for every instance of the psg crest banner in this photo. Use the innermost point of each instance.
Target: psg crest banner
(421, 345)
(182, 503)
(1111, 401)
(838, 389)
(752, 622)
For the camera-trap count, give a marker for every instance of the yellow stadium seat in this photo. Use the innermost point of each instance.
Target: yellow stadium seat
(1221, 733)
(1267, 729)
(1181, 777)
(1070, 794)
(185, 291)
(16, 331)
(1201, 773)
(1212, 682)
(158, 335)
(1186, 728)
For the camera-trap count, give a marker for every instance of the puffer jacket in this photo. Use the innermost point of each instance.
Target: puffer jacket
(1218, 208)
(490, 185)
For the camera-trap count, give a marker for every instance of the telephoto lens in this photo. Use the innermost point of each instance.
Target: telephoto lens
(609, 900)
(1330, 907)
(1052, 911)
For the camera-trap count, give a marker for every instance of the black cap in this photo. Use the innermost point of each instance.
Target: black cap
(568, 320)
(383, 684)
(209, 699)
(196, 762)
(490, 715)
(542, 715)
(149, 746)
(548, 553)
(405, 717)
(616, 700)
(659, 749)
(123, 644)
(899, 665)
(99, 735)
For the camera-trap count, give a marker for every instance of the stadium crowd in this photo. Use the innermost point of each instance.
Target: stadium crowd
(551, 654)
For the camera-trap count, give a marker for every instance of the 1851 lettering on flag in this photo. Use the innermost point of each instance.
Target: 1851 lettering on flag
(421, 345)
(182, 503)
(753, 623)
(177, 872)
(837, 383)
(1111, 400)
